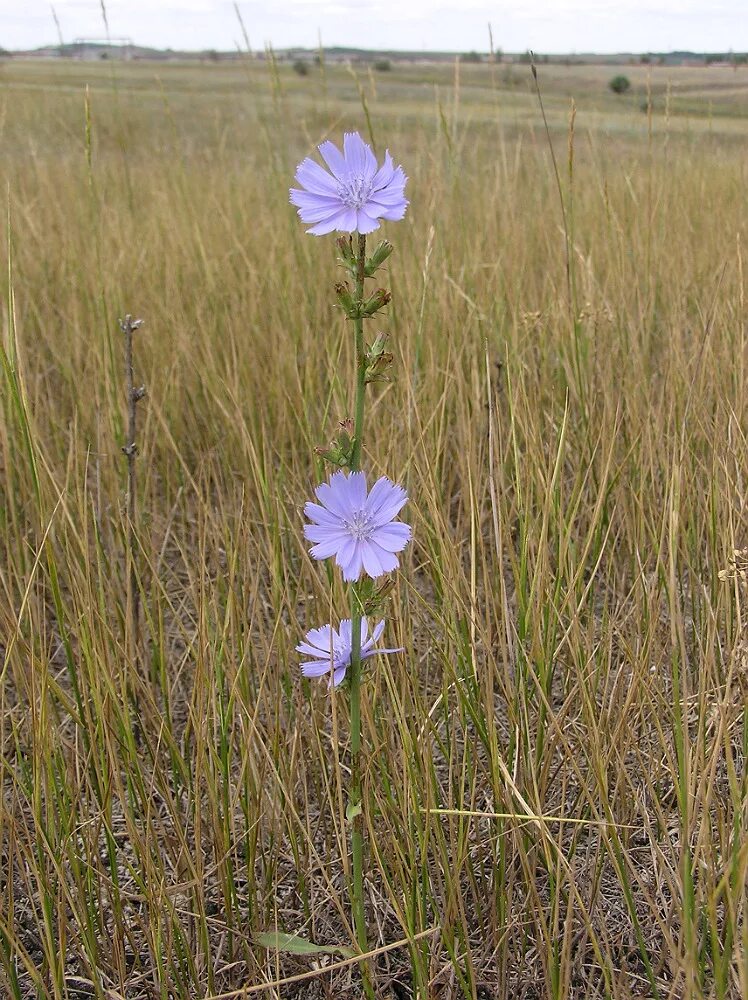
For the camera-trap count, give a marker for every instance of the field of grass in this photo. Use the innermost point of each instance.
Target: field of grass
(555, 788)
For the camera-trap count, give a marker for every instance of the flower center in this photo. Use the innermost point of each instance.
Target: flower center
(355, 191)
(360, 525)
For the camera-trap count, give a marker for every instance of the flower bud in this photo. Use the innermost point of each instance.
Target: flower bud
(377, 360)
(375, 600)
(346, 300)
(345, 437)
(376, 301)
(347, 256)
(377, 348)
(340, 449)
(378, 258)
(333, 455)
(375, 372)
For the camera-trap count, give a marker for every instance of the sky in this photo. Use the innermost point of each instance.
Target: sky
(546, 26)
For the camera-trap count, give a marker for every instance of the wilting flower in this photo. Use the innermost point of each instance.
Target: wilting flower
(357, 527)
(332, 649)
(354, 195)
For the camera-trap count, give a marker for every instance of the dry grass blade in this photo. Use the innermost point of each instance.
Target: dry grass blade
(555, 795)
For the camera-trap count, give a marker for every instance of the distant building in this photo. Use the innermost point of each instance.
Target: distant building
(100, 48)
(47, 52)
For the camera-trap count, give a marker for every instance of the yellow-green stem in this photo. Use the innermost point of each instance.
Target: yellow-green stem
(357, 832)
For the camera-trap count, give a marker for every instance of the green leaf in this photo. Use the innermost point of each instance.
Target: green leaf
(353, 810)
(279, 941)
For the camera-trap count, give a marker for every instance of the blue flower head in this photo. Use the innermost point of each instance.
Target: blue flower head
(356, 526)
(331, 649)
(354, 195)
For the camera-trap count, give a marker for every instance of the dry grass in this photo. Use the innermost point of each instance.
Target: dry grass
(555, 784)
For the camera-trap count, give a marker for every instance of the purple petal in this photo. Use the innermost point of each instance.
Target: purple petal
(364, 631)
(323, 550)
(388, 198)
(356, 488)
(334, 159)
(338, 676)
(345, 632)
(334, 496)
(316, 216)
(385, 500)
(312, 201)
(352, 565)
(358, 156)
(393, 189)
(326, 547)
(377, 207)
(365, 223)
(321, 515)
(376, 651)
(336, 222)
(347, 220)
(386, 560)
(325, 532)
(383, 176)
(372, 563)
(321, 639)
(316, 668)
(393, 536)
(398, 180)
(346, 553)
(338, 218)
(308, 650)
(312, 177)
(394, 214)
(367, 647)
